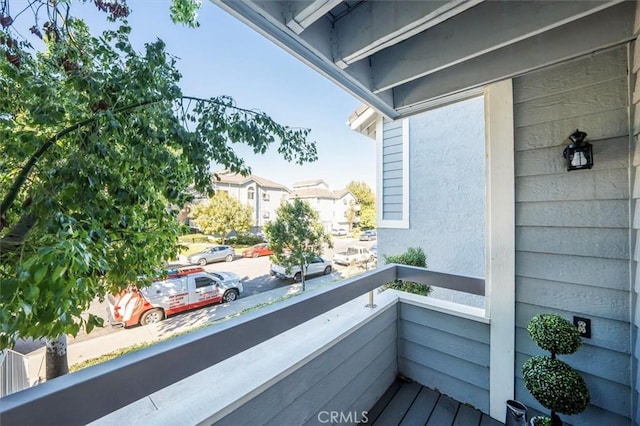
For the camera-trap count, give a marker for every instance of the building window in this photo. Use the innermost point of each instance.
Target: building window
(250, 193)
(265, 196)
(265, 215)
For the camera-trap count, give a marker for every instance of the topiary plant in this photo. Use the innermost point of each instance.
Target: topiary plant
(553, 383)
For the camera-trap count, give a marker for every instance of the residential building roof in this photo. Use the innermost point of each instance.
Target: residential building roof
(319, 193)
(310, 183)
(238, 179)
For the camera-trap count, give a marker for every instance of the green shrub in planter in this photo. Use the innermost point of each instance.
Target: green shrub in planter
(553, 383)
(412, 257)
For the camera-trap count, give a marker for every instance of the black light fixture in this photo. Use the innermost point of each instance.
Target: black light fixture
(579, 154)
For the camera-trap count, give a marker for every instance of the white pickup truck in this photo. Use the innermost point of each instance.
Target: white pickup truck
(353, 255)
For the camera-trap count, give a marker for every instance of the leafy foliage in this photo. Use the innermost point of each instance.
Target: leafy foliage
(98, 146)
(221, 215)
(553, 383)
(185, 12)
(296, 235)
(367, 200)
(554, 334)
(412, 257)
(541, 421)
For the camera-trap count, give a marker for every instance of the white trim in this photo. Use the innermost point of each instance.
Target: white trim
(500, 243)
(444, 306)
(381, 222)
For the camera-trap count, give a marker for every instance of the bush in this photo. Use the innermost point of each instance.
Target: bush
(554, 334)
(245, 239)
(553, 383)
(193, 238)
(412, 257)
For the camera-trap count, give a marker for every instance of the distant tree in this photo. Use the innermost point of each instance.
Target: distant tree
(221, 215)
(367, 200)
(368, 217)
(352, 213)
(296, 235)
(412, 257)
(96, 141)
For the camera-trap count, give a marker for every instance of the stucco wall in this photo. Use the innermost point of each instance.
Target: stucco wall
(447, 187)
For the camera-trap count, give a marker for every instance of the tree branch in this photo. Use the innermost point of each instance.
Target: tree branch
(7, 202)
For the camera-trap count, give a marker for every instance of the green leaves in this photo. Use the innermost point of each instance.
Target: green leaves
(554, 334)
(98, 150)
(296, 234)
(414, 256)
(222, 214)
(555, 385)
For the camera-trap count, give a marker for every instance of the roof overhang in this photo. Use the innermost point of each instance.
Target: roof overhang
(403, 57)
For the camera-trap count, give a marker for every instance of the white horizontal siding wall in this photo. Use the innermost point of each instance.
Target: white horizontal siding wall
(572, 228)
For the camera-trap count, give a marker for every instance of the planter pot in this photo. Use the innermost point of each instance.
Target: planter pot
(516, 413)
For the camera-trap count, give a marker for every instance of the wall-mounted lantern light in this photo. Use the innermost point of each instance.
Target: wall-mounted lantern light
(579, 154)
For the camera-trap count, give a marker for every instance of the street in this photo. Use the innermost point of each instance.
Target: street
(253, 271)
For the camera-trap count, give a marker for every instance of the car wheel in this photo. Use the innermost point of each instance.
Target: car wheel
(297, 277)
(229, 258)
(255, 255)
(202, 262)
(327, 270)
(151, 317)
(230, 296)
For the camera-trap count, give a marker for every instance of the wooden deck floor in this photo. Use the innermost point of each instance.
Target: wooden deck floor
(408, 404)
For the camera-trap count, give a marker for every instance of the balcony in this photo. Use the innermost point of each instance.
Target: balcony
(323, 351)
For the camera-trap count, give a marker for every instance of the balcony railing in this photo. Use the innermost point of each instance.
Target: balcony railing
(81, 397)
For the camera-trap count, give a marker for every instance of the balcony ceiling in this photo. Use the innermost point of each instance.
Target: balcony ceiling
(401, 57)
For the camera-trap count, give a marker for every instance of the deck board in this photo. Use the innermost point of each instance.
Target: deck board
(408, 403)
(421, 408)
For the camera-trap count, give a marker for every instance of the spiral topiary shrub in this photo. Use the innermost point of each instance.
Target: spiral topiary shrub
(553, 383)
(554, 334)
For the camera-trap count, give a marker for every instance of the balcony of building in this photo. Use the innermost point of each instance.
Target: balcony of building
(297, 362)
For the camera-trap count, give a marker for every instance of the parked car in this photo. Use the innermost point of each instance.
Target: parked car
(353, 255)
(317, 266)
(374, 250)
(257, 251)
(180, 290)
(368, 235)
(340, 232)
(217, 253)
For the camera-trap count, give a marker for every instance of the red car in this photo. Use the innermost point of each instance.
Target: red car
(257, 251)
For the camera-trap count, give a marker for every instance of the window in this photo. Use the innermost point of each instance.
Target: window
(266, 215)
(265, 196)
(204, 282)
(251, 193)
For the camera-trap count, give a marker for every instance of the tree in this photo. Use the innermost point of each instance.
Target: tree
(296, 235)
(97, 142)
(351, 214)
(222, 214)
(367, 200)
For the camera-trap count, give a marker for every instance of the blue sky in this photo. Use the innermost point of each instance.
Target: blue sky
(226, 57)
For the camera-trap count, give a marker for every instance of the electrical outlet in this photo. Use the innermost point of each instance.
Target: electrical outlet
(584, 326)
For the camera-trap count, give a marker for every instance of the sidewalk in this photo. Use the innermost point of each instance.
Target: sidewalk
(92, 348)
